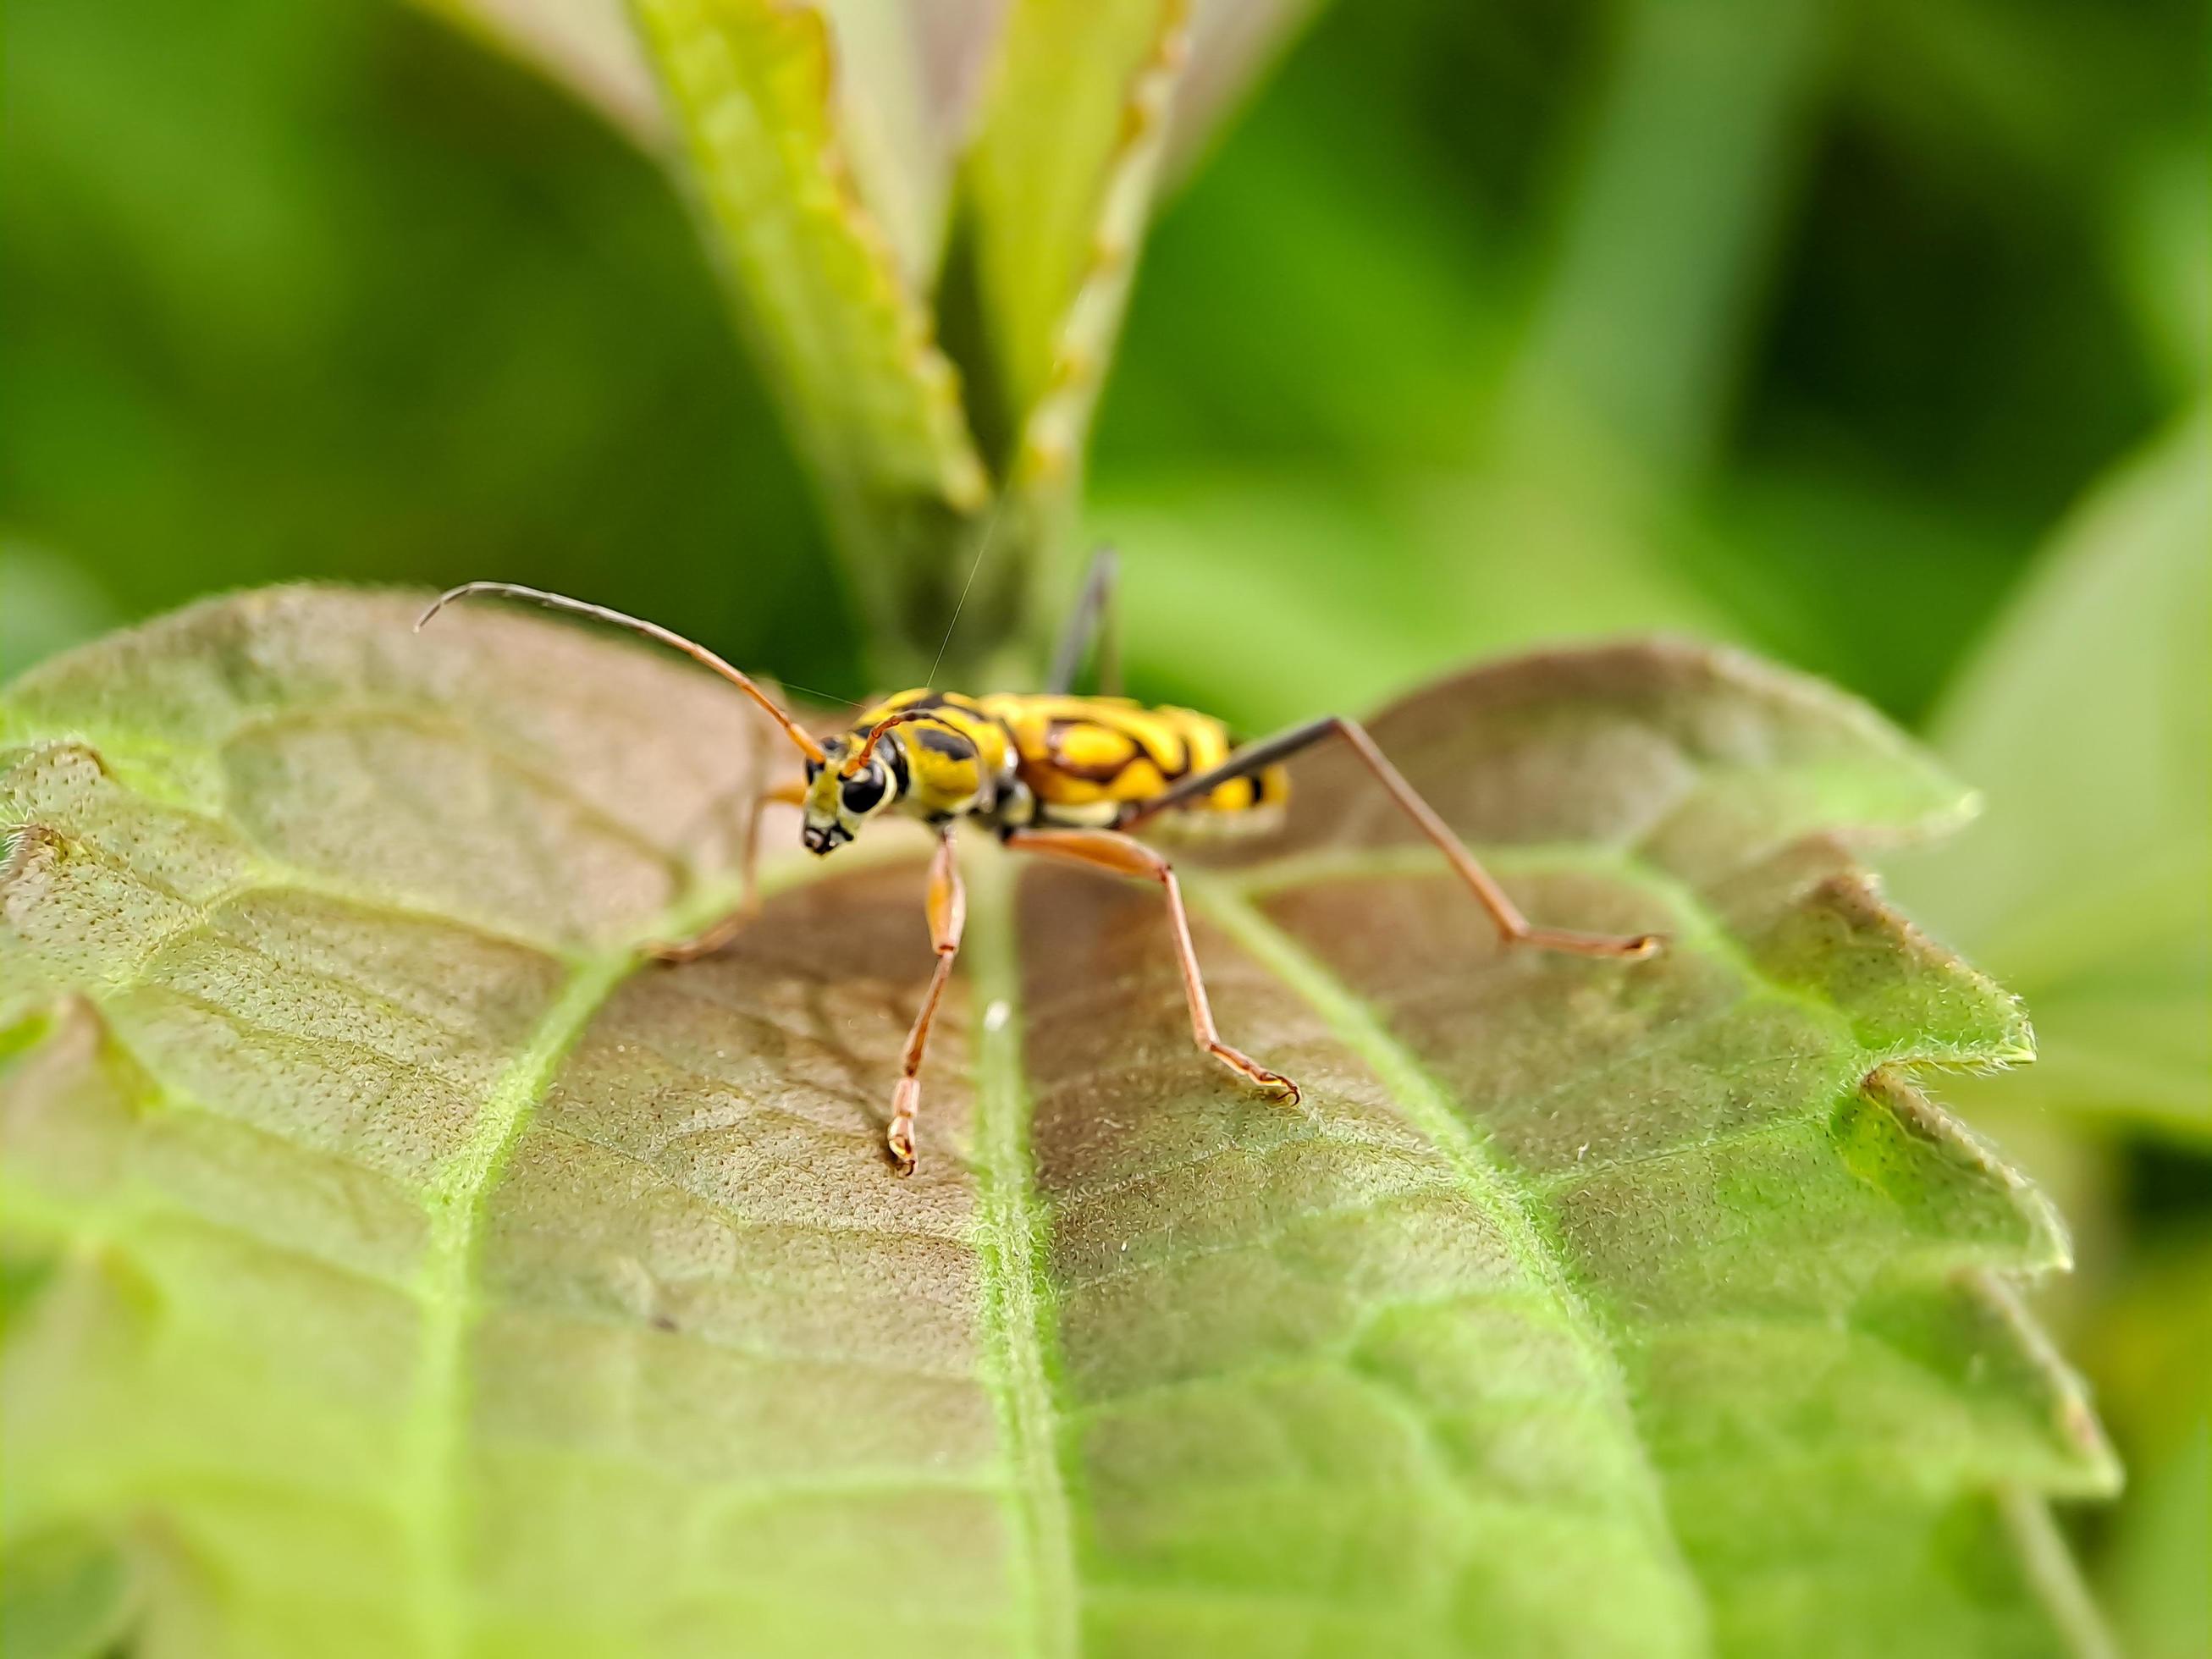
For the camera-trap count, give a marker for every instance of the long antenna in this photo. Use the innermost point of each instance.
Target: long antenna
(697, 652)
(982, 546)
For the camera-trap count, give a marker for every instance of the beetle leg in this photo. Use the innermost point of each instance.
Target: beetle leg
(1091, 623)
(1122, 855)
(948, 916)
(1513, 928)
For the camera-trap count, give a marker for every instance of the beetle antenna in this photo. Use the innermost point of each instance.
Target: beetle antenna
(857, 761)
(801, 740)
(983, 547)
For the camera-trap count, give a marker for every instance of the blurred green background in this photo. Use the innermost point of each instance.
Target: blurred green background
(1871, 334)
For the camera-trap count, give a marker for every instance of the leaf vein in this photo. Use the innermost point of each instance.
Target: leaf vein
(433, 1452)
(1017, 1301)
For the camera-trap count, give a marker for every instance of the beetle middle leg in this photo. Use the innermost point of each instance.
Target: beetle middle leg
(1124, 855)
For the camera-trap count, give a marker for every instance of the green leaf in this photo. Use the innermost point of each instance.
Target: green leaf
(1271, 594)
(1233, 43)
(1690, 169)
(46, 604)
(63, 1594)
(2153, 1343)
(2084, 717)
(846, 336)
(1058, 182)
(424, 1275)
(587, 46)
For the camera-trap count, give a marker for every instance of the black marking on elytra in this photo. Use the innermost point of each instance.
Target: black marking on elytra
(1245, 763)
(944, 740)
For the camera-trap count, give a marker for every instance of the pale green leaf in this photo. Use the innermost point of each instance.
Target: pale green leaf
(587, 46)
(1635, 344)
(2154, 1342)
(416, 1272)
(1233, 43)
(907, 78)
(2155, 1578)
(1060, 184)
(46, 603)
(2084, 717)
(1274, 594)
(63, 1594)
(898, 139)
(900, 73)
(846, 335)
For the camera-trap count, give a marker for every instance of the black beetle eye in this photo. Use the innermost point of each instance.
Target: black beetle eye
(861, 794)
(814, 770)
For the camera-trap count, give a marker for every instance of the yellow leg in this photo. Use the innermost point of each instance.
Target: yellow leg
(1122, 855)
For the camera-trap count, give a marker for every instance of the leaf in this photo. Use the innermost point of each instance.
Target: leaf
(845, 336)
(2084, 718)
(1232, 44)
(420, 1273)
(62, 1596)
(586, 46)
(45, 602)
(914, 70)
(1060, 185)
(1636, 343)
(902, 80)
(2157, 1570)
(2152, 1335)
(1340, 586)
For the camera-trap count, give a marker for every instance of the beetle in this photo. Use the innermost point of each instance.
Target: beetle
(1065, 777)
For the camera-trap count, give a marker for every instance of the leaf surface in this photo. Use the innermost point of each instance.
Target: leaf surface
(396, 1266)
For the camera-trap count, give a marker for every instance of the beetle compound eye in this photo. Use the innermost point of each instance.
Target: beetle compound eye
(864, 793)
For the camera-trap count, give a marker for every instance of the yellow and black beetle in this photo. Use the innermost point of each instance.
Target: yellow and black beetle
(1054, 773)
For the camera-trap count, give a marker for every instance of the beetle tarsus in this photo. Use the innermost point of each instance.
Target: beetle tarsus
(898, 1139)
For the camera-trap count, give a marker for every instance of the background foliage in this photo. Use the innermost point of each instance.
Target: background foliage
(1872, 333)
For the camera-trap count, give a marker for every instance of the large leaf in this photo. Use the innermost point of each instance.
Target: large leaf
(1059, 180)
(398, 1265)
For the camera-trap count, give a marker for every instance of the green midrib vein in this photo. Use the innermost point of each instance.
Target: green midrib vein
(1428, 1108)
(1010, 1239)
(435, 1481)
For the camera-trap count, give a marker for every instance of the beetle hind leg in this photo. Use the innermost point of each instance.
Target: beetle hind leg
(1513, 928)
